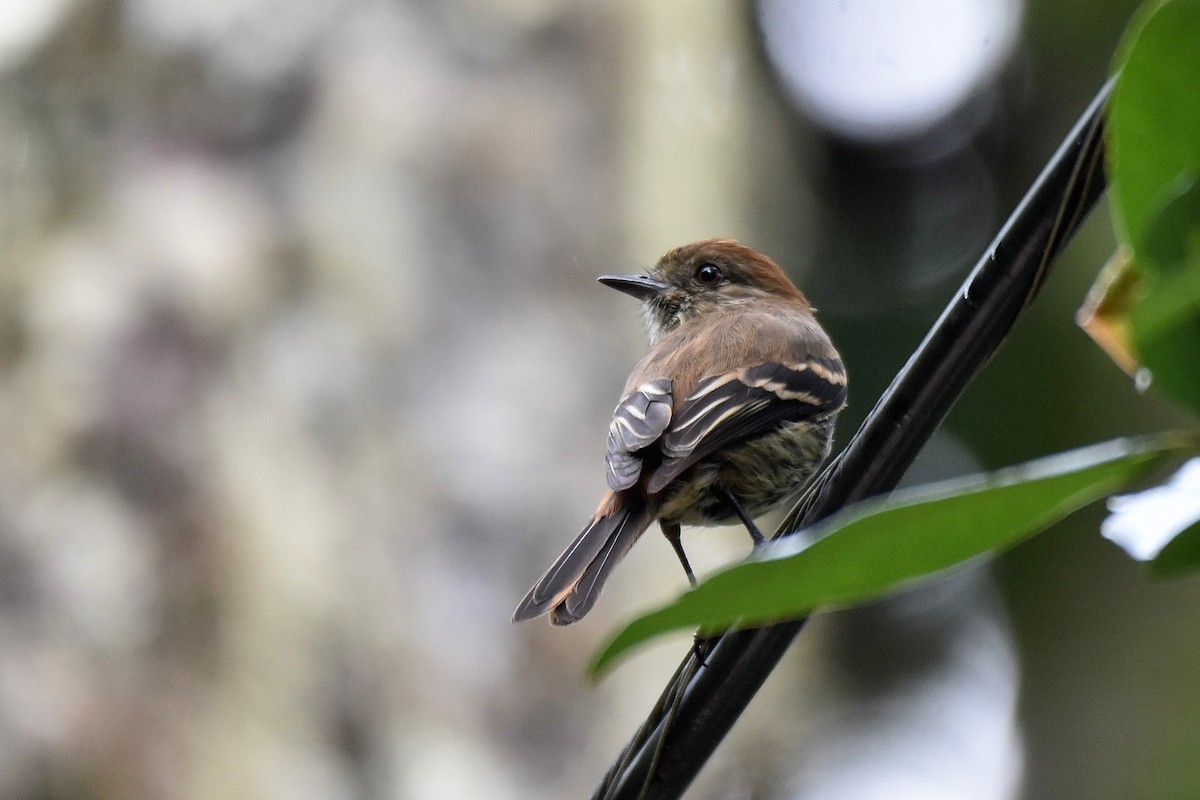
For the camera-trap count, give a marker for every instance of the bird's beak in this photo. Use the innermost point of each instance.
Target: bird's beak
(639, 286)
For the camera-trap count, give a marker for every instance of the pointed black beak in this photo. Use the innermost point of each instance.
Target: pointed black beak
(638, 286)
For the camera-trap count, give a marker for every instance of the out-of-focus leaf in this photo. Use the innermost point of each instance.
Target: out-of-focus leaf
(1170, 241)
(1160, 525)
(1154, 161)
(1181, 555)
(1154, 118)
(1166, 320)
(1104, 315)
(881, 546)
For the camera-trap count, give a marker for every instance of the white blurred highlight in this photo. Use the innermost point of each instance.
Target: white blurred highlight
(946, 731)
(1143, 524)
(885, 69)
(25, 25)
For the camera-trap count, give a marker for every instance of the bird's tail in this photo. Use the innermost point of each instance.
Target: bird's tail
(570, 587)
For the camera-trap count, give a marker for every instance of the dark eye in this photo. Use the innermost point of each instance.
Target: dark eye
(709, 274)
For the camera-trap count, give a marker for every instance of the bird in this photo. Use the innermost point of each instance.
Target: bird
(730, 412)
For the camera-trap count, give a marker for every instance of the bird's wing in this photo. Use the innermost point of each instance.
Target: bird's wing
(739, 405)
(638, 421)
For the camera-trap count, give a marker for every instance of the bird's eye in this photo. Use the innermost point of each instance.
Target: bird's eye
(709, 274)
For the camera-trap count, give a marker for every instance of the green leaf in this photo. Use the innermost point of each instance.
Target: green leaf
(1181, 555)
(1165, 322)
(1154, 166)
(1154, 118)
(878, 547)
(1170, 241)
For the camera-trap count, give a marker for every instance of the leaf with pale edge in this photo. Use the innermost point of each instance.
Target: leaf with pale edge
(879, 547)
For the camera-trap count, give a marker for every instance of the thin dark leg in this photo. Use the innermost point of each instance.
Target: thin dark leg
(671, 531)
(700, 645)
(755, 533)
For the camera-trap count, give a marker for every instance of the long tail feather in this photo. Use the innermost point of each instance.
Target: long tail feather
(572, 584)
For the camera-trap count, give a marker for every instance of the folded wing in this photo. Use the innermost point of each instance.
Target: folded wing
(638, 421)
(740, 405)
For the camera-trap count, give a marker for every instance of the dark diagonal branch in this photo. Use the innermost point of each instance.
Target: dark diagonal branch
(700, 704)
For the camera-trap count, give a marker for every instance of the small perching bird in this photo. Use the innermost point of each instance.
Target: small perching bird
(729, 413)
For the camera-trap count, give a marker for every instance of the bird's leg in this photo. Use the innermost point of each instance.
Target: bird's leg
(671, 531)
(700, 644)
(751, 528)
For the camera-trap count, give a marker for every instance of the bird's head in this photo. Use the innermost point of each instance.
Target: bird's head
(709, 276)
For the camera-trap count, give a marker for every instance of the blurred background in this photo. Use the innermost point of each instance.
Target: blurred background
(304, 378)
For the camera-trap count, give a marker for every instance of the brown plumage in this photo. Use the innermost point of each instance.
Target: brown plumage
(730, 412)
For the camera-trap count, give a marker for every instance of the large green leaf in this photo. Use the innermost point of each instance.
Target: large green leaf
(1154, 118)
(878, 547)
(1149, 318)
